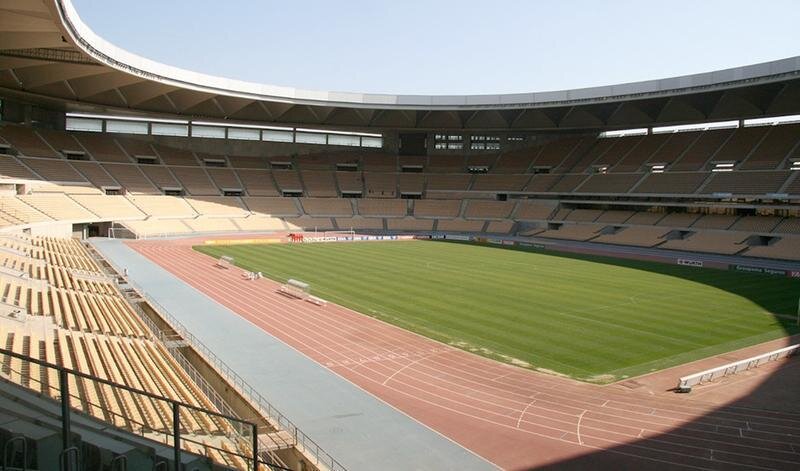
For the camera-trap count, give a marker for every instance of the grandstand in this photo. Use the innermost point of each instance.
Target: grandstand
(701, 170)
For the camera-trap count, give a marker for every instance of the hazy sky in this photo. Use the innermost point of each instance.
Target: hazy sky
(449, 46)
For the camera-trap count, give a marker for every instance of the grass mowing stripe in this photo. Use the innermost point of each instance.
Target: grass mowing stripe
(590, 317)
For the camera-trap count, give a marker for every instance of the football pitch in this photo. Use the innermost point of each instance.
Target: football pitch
(592, 318)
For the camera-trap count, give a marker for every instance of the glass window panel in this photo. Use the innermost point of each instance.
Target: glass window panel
(276, 136)
(213, 132)
(166, 129)
(126, 127)
(343, 140)
(371, 141)
(310, 138)
(84, 124)
(244, 134)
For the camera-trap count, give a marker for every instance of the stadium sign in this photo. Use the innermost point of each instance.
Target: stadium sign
(793, 274)
(532, 245)
(690, 263)
(763, 271)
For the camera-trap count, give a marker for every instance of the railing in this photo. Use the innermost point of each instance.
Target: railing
(174, 436)
(304, 443)
(685, 383)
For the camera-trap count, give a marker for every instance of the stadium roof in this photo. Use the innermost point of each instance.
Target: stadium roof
(49, 56)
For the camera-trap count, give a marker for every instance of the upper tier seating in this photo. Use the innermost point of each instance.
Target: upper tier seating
(288, 180)
(514, 162)
(258, 182)
(437, 208)
(12, 168)
(753, 183)
(380, 185)
(175, 156)
(774, 148)
(635, 159)
(533, 210)
(96, 174)
(54, 170)
(489, 209)
(161, 176)
(787, 248)
(499, 182)
(701, 150)
(131, 178)
(27, 142)
(195, 180)
(102, 147)
(409, 224)
(446, 164)
(411, 182)
(609, 183)
(272, 206)
(640, 236)
(573, 232)
(554, 153)
(788, 226)
(671, 182)
(452, 182)
(58, 207)
(218, 206)
(678, 220)
(715, 221)
(569, 182)
(110, 207)
(673, 149)
(727, 243)
(224, 178)
(319, 183)
(739, 146)
(614, 216)
(350, 182)
(163, 206)
(379, 207)
(327, 206)
(359, 223)
(459, 225)
(583, 215)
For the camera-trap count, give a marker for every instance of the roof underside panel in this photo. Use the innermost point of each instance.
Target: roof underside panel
(47, 53)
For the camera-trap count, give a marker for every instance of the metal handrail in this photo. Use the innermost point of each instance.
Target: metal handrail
(63, 372)
(307, 444)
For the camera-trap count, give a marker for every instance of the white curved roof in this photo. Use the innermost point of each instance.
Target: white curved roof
(49, 55)
(766, 71)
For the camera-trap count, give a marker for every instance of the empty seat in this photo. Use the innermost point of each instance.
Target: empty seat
(258, 182)
(102, 147)
(54, 170)
(437, 208)
(609, 183)
(195, 180)
(326, 206)
(27, 142)
(382, 207)
(319, 183)
(272, 206)
(640, 236)
(489, 209)
(728, 243)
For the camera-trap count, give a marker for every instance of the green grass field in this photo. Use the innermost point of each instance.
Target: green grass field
(592, 318)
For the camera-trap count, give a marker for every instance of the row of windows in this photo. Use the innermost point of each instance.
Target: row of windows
(476, 141)
(221, 132)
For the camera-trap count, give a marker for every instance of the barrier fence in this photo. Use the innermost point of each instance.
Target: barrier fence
(685, 383)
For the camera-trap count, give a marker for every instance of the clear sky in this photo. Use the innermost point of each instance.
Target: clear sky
(449, 46)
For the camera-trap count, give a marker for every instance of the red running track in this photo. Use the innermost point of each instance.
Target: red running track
(515, 418)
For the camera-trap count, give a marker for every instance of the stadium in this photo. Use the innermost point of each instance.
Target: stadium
(202, 273)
